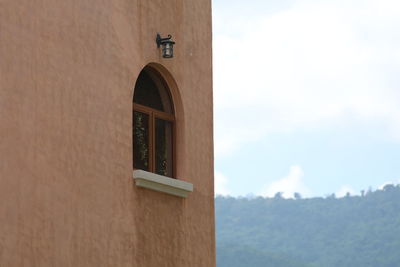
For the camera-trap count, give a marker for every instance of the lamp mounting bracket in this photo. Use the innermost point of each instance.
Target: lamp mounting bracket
(160, 40)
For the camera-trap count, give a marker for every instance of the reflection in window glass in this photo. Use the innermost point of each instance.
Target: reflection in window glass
(163, 147)
(141, 141)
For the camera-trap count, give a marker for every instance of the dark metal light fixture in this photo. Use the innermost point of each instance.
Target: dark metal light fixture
(167, 45)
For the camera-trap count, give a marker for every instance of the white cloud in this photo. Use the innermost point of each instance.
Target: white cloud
(220, 184)
(288, 185)
(306, 66)
(342, 192)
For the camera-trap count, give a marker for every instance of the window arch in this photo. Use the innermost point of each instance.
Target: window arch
(153, 124)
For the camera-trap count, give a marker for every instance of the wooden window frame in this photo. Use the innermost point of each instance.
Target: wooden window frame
(153, 115)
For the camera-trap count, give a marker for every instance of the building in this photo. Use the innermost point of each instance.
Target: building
(68, 193)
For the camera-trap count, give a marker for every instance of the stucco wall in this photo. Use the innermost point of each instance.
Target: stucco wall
(67, 73)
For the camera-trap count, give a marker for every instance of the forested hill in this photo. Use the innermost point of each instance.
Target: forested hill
(334, 232)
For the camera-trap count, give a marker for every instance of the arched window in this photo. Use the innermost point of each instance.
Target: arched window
(153, 124)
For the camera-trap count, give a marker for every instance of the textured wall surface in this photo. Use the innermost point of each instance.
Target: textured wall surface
(67, 73)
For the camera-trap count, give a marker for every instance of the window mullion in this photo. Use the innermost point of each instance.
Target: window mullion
(152, 142)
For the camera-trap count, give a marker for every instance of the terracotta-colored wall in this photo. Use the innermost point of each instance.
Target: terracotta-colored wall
(67, 72)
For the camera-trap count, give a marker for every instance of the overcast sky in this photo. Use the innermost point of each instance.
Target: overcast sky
(307, 96)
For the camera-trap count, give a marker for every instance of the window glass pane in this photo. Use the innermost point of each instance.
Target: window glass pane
(150, 91)
(163, 147)
(140, 141)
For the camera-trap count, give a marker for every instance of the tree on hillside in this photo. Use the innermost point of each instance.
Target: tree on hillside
(297, 195)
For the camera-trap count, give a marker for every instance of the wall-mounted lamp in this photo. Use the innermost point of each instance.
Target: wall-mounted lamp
(167, 46)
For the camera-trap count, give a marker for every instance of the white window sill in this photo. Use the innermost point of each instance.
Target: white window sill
(162, 183)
